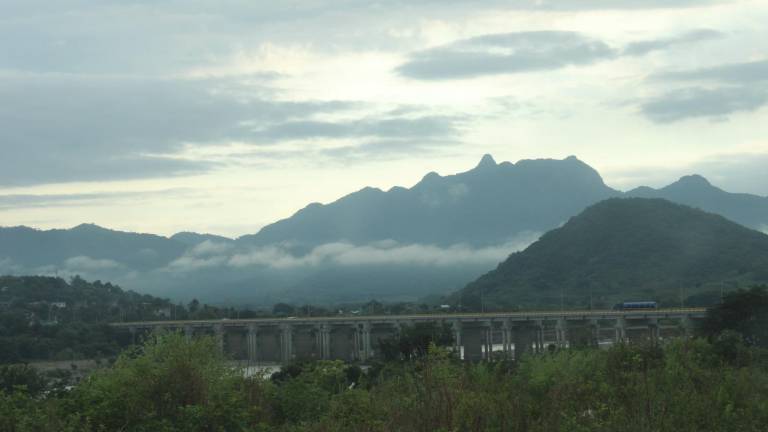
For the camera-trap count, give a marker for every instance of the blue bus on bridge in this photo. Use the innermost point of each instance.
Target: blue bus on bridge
(636, 305)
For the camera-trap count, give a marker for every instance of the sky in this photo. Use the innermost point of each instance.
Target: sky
(221, 117)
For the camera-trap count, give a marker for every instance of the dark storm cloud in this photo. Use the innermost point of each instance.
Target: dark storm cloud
(698, 102)
(747, 72)
(647, 46)
(71, 129)
(505, 53)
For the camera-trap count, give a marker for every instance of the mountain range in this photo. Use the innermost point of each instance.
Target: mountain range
(399, 244)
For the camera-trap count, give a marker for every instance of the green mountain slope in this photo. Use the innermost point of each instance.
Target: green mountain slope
(625, 249)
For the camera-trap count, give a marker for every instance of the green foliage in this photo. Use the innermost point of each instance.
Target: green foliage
(414, 341)
(744, 312)
(170, 384)
(167, 384)
(13, 377)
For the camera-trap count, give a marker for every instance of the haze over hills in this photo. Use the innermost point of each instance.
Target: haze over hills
(400, 244)
(626, 249)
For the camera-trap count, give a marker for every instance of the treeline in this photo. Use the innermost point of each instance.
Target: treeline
(48, 318)
(716, 382)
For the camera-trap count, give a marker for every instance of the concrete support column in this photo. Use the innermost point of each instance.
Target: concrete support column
(489, 342)
(286, 342)
(621, 329)
(687, 326)
(653, 329)
(323, 341)
(456, 327)
(364, 341)
(561, 333)
(218, 331)
(188, 333)
(594, 327)
(132, 330)
(251, 343)
(507, 339)
(539, 340)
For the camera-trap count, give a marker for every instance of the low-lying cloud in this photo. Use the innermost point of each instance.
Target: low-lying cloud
(87, 264)
(387, 252)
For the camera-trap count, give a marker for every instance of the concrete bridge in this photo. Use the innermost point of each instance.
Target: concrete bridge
(476, 335)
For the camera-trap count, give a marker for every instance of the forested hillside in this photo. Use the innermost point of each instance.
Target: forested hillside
(626, 249)
(46, 318)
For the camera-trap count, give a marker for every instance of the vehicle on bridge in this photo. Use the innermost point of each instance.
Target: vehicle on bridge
(636, 305)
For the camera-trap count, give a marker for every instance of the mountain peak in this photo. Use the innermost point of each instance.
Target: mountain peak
(89, 227)
(486, 162)
(694, 180)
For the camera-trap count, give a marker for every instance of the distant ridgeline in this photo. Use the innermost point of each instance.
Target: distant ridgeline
(401, 244)
(627, 249)
(47, 318)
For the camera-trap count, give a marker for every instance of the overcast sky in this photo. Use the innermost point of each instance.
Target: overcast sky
(223, 116)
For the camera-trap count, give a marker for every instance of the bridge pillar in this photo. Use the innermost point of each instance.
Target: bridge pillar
(323, 341)
(653, 329)
(621, 330)
(286, 343)
(368, 341)
(687, 326)
(561, 333)
(251, 342)
(538, 343)
(524, 337)
(507, 338)
(594, 328)
(472, 339)
(457, 347)
(488, 342)
(363, 341)
(189, 332)
(218, 332)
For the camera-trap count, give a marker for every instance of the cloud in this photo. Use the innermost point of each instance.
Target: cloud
(387, 252)
(16, 201)
(87, 264)
(644, 47)
(699, 102)
(397, 127)
(210, 248)
(522, 52)
(59, 129)
(739, 73)
(506, 53)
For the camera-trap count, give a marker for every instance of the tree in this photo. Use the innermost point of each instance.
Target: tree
(742, 311)
(283, 309)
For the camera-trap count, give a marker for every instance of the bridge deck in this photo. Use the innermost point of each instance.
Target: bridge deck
(447, 317)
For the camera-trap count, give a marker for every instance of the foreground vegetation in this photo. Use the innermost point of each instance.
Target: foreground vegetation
(717, 382)
(172, 385)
